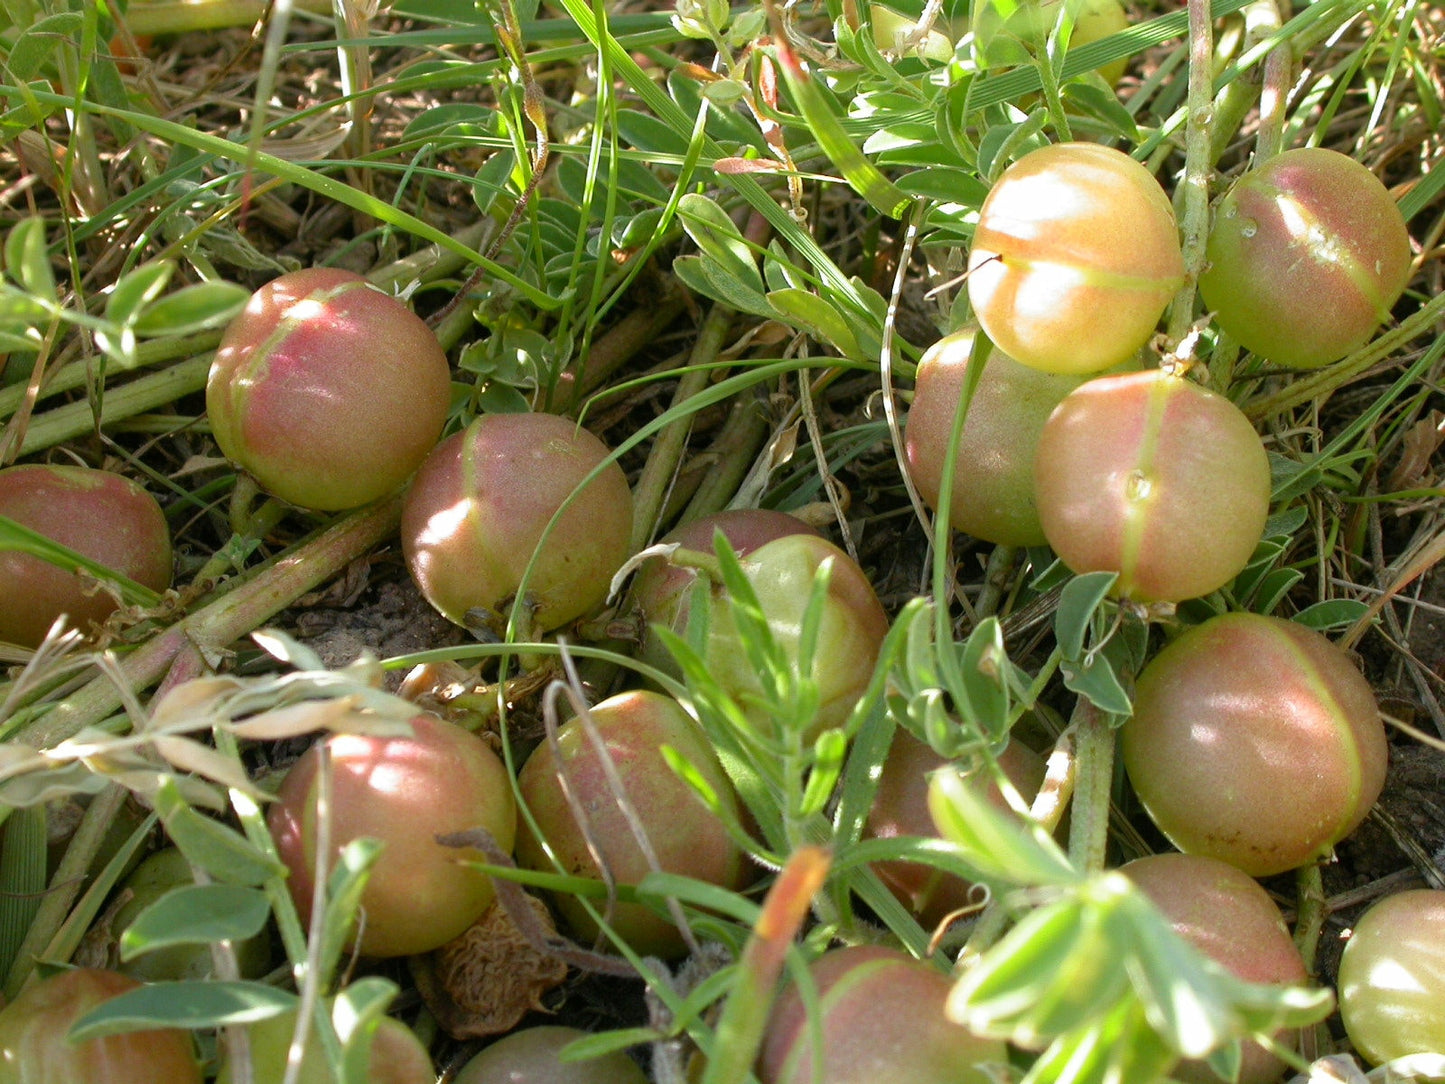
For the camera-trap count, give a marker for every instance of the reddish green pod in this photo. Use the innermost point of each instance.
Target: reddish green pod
(1392, 977)
(1306, 257)
(1075, 256)
(662, 590)
(98, 514)
(1256, 741)
(1153, 477)
(329, 391)
(1230, 918)
(882, 1019)
(992, 495)
(530, 1056)
(404, 792)
(685, 836)
(480, 505)
(900, 808)
(34, 1048)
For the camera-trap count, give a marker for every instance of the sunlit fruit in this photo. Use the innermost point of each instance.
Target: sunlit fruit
(98, 514)
(684, 835)
(34, 1048)
(329, 391)
(882, 1019)
(992, 495)
(1306, 257)
(474, 520)
(1392, 977)
(1230, 918)
(1074, 259)
(1153, 477)
(1256, 741)
(404, 792)
(529, 1056)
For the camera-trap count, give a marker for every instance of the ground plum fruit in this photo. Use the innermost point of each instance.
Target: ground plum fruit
(684, 835)
(662, 590)
(883, 1019)
(1230, 918)
(1306, 257)
(529, 1056)
(1254, 740)
(1075, 256)
(97, 513)
(329, 391)
(1392, 977)
(850, 633)
(396, 1055)
(1008, 40)
(900, 808)
(403, 791)
(34, 1048)
(992, 496)
(480, 505)
(1153, 477)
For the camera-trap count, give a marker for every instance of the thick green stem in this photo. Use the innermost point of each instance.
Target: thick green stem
(1093, 784)
(650, 493)
(1310, 900)
(224, 621)
(729, 458)
(1198, 164)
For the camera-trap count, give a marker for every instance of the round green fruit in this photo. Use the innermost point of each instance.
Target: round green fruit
(1256, 741)
(882, 1019)
(662, 590)
(98, 514)
(1227, 916)
(1392, 977)
(396, 1055)
(1009, 40)
(1306, 257)
(684, 835)
(1074, 259)
(327, 390)
(479, 507)
(34, 1048)
(1153, 477)
(404, 792)
(529, 1056)
(850, 632)
(159, 874)
(992, 495)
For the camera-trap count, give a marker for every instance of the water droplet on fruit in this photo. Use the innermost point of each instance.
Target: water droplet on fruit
(1137, 487)
(1248, 228)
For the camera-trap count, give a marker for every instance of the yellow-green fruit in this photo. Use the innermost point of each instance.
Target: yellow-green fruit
(1006, 40)
(529, 1056)
(1074, 259)
(396, 1055)
(1306, 257)
(1392, 977)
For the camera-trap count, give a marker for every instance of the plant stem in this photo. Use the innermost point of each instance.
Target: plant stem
(729, 458)
(124, 401)
(1198, 164)
(233, 615)
(1310, 901)
(1093, 783)
(650, 493)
